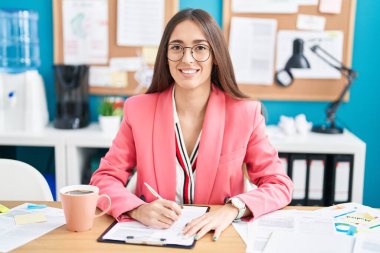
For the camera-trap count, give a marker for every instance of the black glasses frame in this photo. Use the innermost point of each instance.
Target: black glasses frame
(191, 51)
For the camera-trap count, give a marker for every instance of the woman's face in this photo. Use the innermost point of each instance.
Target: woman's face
(187, 72)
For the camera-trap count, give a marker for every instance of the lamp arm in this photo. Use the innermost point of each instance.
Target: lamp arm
(348, 73)
(333, 106)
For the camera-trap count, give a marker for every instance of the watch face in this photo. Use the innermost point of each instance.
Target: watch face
(284, 77)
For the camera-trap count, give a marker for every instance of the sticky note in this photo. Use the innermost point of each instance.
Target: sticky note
(149, 54)
(3, 209)
(311, 22)
(29, 218)
(330, 6)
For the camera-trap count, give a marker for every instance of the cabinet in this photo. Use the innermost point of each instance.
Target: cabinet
(73, 147)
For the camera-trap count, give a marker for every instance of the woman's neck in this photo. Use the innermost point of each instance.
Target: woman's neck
(192, 102)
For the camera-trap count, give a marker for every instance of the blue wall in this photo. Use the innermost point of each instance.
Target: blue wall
(358, 115)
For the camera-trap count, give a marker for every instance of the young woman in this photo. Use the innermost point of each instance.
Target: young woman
(189, 136)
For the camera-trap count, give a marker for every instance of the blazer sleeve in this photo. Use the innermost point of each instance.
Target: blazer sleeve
(114, 170)
(274, 187)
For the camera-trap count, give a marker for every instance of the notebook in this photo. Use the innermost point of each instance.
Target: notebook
(134, 232)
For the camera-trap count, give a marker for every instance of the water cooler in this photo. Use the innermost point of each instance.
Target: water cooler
(23, 105)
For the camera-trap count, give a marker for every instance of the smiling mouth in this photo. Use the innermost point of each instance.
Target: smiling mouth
(189, 71)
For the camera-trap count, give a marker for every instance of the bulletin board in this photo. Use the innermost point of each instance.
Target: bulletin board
(302, 89)
(171, 7)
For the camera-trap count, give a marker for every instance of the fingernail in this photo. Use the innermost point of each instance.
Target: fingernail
(215, 238)
(196, 237)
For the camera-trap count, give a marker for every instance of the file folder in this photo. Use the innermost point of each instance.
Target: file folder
(299, 175)
(317, 167)
(342, 178)
(284, 161)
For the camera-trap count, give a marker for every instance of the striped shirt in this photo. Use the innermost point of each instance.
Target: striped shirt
(185, 165)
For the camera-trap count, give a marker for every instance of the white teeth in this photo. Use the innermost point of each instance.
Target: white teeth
(188, 71)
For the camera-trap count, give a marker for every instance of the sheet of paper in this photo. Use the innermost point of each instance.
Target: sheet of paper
(289, 221)
(311, 22)
(367, 243)
(260, 230)
(306, 2)
(13, 236)
(85, 31)
(265, 6)
(252, 48)
(129, 64)
(173, 235)
(330, 6)
(290, 242)
(353, 218)
(140, 23)
(242, 228)
(107, 76)
(331, 41)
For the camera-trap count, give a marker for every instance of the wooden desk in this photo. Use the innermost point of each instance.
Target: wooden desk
(62, 240)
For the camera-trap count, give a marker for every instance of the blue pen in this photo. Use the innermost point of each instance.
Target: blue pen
(36, 206)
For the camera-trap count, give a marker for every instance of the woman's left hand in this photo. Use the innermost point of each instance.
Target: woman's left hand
(217, 220)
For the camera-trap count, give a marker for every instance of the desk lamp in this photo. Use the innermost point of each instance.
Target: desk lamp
(298, 60)
(285, 78)
(349, 74)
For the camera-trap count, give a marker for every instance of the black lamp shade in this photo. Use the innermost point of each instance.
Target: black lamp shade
(298, 59)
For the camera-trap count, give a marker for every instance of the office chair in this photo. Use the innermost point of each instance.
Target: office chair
(20, 181)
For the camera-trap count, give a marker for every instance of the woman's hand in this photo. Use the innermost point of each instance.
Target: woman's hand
(161, 213)
(217, 220)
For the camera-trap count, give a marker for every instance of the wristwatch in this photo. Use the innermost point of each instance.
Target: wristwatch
(240, 205)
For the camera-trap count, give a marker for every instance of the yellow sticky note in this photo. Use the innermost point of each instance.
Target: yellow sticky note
(29, 218)
(149, 54)
(3, 209)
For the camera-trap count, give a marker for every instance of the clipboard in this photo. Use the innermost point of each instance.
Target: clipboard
(138, 234)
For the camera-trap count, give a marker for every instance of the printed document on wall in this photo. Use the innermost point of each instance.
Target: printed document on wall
(140, 23)
(265, 6)
(252, 45)
(85, 31)
(331, 41)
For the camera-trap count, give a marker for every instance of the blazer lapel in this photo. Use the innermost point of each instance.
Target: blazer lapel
(210, 146)
(164, 146)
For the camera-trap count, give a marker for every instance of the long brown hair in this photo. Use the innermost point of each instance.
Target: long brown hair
(222, 74)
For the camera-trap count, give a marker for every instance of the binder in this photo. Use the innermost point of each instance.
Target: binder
(342, 178)
(316, 168)
(134, 232)
(299, 173)
(284, 161)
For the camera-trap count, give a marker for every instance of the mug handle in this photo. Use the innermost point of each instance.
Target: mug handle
(108, 208)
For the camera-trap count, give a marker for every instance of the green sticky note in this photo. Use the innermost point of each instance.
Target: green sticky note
(3, 209)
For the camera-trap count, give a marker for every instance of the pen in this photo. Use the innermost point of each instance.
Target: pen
(36, 206)
(152, 191)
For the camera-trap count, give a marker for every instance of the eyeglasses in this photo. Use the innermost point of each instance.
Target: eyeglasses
(199, 52)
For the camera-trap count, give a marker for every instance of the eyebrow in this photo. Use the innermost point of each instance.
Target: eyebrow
(194, 41)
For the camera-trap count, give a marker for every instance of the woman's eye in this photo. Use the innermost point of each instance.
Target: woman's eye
(175, 47)
(201, 47)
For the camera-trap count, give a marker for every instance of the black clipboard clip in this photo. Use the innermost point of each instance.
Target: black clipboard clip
(147, 241)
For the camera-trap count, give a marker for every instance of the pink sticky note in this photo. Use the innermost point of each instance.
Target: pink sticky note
(330, 6)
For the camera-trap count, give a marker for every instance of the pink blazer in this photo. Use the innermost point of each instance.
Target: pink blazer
(233, 133)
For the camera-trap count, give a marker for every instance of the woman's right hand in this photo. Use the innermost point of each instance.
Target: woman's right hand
(160, 213)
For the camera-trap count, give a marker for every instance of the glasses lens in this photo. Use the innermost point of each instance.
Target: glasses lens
(175, 52)
(201, 52)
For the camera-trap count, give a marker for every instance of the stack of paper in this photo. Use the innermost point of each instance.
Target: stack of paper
(22, 224)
